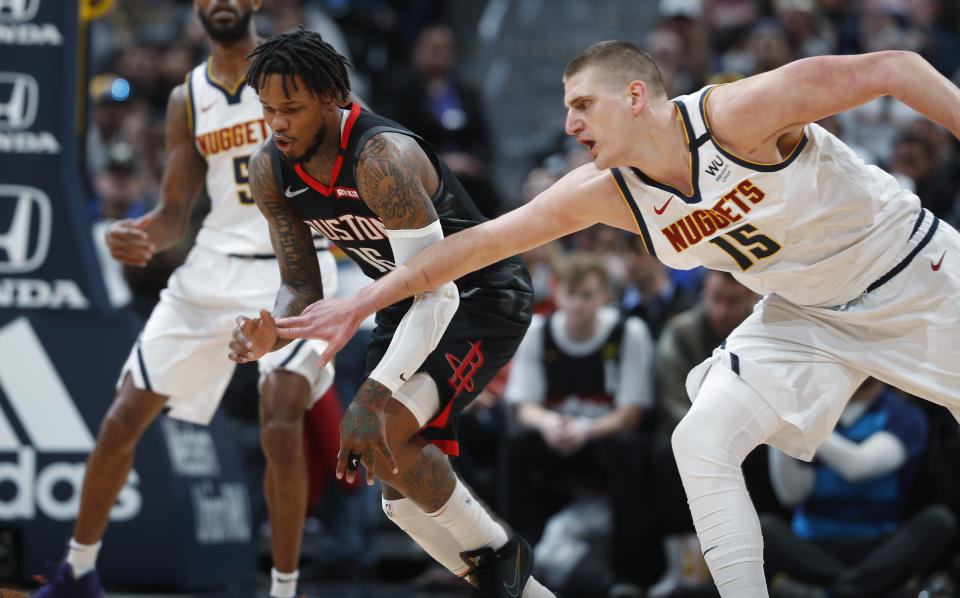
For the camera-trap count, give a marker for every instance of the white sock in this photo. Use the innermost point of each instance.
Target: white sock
(469, 522)
(283, 585)
(439, 543)
(436, 540)
(82, 558)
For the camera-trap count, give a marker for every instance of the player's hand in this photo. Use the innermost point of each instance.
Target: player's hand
(129, 242)
(363, 433)
(253, 337)
(331, 320)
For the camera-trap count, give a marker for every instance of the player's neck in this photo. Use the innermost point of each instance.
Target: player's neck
(665, 154)
(228, 60)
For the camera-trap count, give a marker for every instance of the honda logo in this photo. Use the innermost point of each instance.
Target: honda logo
(18, 11)
(26, 223)
(19, 97)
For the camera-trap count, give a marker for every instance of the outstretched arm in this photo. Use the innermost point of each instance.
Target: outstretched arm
(752, 115)
(135, 241)
(582, 198)
(300, 283)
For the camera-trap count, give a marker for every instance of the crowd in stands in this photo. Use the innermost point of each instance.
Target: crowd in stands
(571, 445)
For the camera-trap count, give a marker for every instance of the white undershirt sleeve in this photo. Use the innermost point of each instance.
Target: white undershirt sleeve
(636, 366)
(424, 323)
(881, 453)
(792, 479)
(527, 380)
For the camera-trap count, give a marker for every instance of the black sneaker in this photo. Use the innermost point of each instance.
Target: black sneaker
(500, 574)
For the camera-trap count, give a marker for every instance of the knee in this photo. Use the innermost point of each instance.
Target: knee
(282, 439)
(120, 430)
(688, 441)
(702, 445)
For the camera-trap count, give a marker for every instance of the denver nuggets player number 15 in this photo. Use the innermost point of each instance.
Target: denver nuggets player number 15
(858, 279)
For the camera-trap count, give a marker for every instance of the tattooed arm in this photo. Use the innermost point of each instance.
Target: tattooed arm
(300, 283)
(135, 241)
(395, 178)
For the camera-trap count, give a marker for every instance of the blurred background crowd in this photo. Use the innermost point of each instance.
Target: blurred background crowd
(581, 465)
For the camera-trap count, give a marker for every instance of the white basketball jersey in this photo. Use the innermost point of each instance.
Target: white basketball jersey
(816, 228)
(227, 126)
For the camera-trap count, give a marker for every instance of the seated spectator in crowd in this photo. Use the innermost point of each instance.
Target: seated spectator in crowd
(915, 157)
(580, 384)
(650, 293)
(439, 104)
(849, 537)
(686, 340)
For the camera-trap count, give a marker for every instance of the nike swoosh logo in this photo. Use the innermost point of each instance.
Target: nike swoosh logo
(936, 266)
(209, 106)
(291, 193)
(402, 377)
(662, 208)
(354, 463)
(514, 588)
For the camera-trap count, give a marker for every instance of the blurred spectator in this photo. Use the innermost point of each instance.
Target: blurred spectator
(767, 47)
(849, 538)
(809, 33)
(687, 20)
(939, 46)
(665, 46)
(650, 293)
(110, 98)
(118, 195)
(436, 102)
(580, 385)
(915, 158)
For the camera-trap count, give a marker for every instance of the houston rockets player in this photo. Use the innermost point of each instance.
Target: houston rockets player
(858, 279)
(380, 193)
(214, 122)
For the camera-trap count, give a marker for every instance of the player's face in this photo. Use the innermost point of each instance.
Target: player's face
(595, 116)
(226, 20)
(299, 120)
(581, 301)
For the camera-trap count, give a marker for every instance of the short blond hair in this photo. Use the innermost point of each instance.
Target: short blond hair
(620, 63)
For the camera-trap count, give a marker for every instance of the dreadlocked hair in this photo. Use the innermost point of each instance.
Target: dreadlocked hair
(301, 52)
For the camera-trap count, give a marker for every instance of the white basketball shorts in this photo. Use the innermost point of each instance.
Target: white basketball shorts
(182, 351)
(807, 361)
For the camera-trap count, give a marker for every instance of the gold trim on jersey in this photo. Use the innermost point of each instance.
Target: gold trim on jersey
(616, 184)
(706, 123)
(218, 83)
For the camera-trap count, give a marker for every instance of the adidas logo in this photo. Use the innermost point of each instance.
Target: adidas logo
(44, 441)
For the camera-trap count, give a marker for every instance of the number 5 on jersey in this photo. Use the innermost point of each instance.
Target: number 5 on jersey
(241, 174)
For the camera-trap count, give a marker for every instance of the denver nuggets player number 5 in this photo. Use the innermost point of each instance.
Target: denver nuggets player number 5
(213, 124)
(858, 279)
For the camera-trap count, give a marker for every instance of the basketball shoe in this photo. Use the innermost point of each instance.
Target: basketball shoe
(500, 574)
(65, 585)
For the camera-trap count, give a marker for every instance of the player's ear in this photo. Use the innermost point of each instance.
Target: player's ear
(638, 94)
(256, 4)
